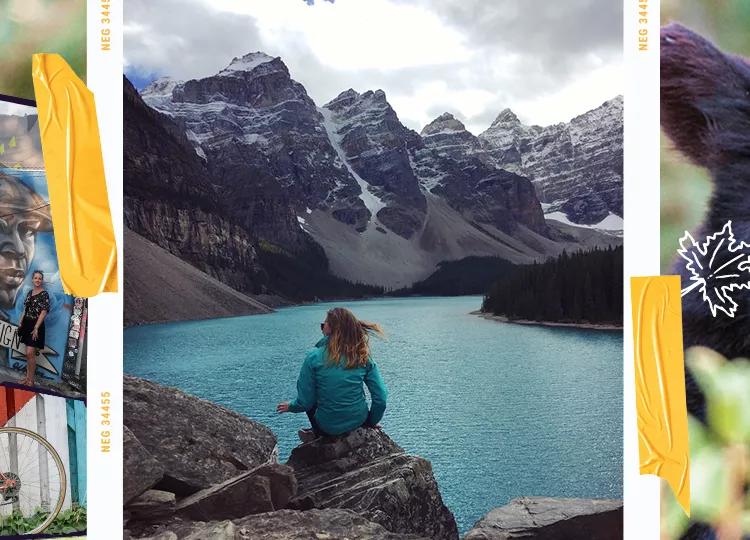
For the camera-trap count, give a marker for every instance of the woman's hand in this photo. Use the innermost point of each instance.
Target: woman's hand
(35, 333)
(282, 407)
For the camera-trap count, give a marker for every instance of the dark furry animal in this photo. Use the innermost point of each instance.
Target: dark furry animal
(705, 111)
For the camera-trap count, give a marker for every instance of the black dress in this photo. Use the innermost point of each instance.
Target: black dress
(34, 304)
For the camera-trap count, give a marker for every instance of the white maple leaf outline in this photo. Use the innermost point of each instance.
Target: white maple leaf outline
(699, 281)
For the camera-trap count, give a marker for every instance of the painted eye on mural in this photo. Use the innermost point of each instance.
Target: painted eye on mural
(27, 229)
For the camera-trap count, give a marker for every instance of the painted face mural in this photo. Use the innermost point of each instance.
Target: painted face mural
(23, 214)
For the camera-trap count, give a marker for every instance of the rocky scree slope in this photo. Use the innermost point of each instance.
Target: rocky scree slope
(246, 235)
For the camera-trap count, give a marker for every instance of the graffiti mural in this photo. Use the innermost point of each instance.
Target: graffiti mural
(27, 244)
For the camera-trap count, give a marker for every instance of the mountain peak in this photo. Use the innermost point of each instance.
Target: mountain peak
(247, 63)
(446, 122)
(344, 99)
(162, 86)
(506, 116)
(377, 95)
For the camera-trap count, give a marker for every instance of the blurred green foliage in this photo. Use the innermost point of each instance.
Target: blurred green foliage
(719, 450)
(32, 26)
(685, 188)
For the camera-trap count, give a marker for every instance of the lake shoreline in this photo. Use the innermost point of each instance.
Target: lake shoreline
(436, 354)
(527, 322)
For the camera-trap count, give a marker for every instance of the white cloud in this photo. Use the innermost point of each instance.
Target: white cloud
(355, 35)
(418, 108)
(467, 57)
(584, 93)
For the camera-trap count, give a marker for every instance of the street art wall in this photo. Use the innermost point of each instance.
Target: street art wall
(27, 244)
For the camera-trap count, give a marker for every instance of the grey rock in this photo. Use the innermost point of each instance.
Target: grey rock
(544, 518)
(237, 497)
(263, 489)
(161, 287)
(152, 505)
(377, 147)
(583, 157)
(253, 122)
(455, 166)
(140, 471)
(316, 184)
(586, 209)
(170, 199)
(197, 442)
(367, 472)
(329, 524)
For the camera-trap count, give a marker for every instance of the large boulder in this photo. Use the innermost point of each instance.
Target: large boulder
(264, 489)
(152, 505)
(545, 518)
(331, 524)
(140, 471)
(198, 443)
(367, 472)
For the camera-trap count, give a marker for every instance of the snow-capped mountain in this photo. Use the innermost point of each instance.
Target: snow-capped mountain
(385, 203)
(576, 167)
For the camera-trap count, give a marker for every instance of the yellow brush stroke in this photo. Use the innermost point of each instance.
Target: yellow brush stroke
(660, 382)
(84, 236)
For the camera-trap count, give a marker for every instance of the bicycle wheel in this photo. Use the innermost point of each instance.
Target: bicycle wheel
(32, 481)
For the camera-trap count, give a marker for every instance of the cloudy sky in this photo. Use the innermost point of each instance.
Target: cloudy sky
(548, 61)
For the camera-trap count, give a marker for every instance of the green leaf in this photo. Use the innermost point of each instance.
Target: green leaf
(698, 435)
(675, 521)
(709, 484)
(728, 405)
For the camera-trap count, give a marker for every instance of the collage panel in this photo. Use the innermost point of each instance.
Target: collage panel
(291, 197)
(43, 474)
(705, 237)
(43, 328)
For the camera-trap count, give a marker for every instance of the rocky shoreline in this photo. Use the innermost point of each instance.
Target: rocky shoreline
(196, 470)
(585, 326)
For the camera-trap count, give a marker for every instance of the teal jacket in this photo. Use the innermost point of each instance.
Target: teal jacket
(337, 394)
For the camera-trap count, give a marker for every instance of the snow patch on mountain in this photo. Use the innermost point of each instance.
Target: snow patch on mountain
(372, 202)
(245, 64)
(158, 94)
(611, 223)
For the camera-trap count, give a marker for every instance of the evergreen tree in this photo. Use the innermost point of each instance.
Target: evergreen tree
(578, 287)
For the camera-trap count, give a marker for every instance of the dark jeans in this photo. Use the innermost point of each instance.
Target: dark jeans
(315, 426)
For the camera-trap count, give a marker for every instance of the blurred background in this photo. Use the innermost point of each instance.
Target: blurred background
(684, 188)
(720, 448)
(31, 26)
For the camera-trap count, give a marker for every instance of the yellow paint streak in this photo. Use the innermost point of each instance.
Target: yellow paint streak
(660, 382)
(84, 236)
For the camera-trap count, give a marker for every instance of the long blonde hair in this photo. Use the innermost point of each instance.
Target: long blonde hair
(350, 338)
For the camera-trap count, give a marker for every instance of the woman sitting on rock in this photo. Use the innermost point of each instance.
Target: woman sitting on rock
(329, 387)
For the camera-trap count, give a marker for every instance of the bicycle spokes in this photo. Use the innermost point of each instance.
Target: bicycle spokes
(32, 480)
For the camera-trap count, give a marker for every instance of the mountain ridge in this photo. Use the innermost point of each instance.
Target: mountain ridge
(386, 203)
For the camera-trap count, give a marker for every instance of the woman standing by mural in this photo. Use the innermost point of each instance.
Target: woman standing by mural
(31, 326)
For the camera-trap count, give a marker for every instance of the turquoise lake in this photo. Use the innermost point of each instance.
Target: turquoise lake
(501, 410)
